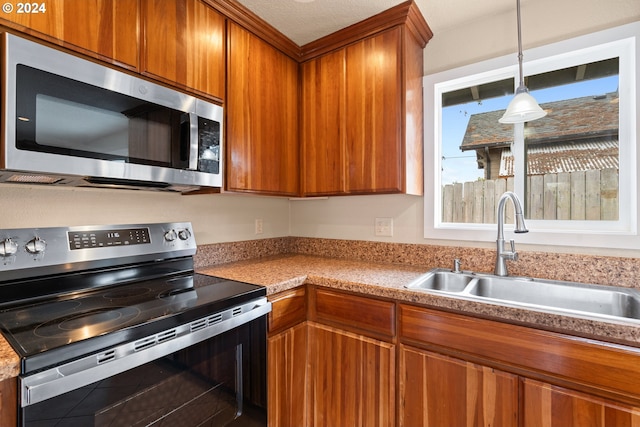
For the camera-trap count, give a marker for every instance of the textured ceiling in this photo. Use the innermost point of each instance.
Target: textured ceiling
(307, 21)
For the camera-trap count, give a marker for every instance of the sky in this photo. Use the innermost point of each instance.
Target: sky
(458, 166)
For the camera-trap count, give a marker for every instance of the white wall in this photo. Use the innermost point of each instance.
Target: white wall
(354, 217)
(215, 217)
(543, 22)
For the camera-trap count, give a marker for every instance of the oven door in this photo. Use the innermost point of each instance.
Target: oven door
(217, 382)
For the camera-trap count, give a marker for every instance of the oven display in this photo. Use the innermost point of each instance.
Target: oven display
(108, 238)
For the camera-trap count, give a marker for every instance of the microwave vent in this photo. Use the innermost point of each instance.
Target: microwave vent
(34, 179)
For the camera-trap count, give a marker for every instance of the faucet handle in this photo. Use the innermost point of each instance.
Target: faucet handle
(511, 255)
(514, 255)
(456, 265)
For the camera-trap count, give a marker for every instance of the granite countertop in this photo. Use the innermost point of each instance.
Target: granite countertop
(281, 272)
(9, 360)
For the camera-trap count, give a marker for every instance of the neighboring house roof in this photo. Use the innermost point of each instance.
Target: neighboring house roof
(570, 119)
(598, 153)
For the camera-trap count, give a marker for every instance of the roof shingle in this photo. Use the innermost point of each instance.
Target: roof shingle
(570, 119)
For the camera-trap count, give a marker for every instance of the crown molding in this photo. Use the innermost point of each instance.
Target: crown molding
(256, 25)
(406, 13)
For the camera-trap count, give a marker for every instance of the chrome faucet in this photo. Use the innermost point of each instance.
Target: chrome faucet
(503, 255)
(456, 266)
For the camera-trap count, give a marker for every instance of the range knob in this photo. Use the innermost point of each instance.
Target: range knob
(35, 245)
(8, 247)
(184, 234)
(170, 235)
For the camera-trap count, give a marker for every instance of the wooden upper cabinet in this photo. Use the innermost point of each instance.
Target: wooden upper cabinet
(362, 111)
(106, 29)
(262, 119)
(352, 138)
(183, 43)
(374, 114)
(323, 122)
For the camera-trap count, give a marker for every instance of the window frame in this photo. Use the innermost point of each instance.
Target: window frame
(622, 42)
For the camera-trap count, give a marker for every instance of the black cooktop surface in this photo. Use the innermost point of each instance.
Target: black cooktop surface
(46, 333)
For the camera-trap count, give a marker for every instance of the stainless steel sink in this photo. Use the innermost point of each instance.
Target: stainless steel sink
(566, 297)
(576, 297)
(442, 280)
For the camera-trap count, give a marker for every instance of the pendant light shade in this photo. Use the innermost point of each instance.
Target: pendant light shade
(523, 107)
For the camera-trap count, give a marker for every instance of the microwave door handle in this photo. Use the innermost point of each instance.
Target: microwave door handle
(193, 141)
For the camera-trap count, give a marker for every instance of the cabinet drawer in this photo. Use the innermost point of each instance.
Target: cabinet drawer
(356, 313)
(288, 309)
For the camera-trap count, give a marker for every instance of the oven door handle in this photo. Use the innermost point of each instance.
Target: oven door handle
(87, 370)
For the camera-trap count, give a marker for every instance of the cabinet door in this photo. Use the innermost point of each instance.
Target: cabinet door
(374, 140)
(184, 44)
(9, 402)
(262, 129)
(287, 386)
(323, 116)
(546, 405)
(352, 379)
(437, 390)
(108, 28)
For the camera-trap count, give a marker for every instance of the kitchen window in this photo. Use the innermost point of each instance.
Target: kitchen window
(575, 170)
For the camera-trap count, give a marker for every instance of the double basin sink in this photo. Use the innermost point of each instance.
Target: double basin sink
(585, 300)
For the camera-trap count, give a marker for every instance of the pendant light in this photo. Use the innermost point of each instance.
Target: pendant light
(523, 107)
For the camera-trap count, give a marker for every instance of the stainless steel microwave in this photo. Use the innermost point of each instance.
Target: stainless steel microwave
(67, 120)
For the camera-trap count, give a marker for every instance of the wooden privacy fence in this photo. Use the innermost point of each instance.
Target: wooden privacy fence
(582, 195)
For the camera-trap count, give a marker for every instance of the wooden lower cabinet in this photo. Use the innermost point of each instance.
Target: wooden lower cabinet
(344, 364)
(324, 375)
(546, 405)
(287, 384)
(437, 390)
(9, 402)
(546, 379)
(352, 379)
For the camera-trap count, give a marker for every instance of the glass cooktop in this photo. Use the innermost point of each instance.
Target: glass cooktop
(48, 332)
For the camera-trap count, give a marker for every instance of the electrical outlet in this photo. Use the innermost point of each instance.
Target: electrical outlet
(258, 226)
(384, 227)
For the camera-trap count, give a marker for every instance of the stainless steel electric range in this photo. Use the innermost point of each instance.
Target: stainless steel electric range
(114, 328)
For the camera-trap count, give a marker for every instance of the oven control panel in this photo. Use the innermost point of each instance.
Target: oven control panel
(106, 238)
(30, 252)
